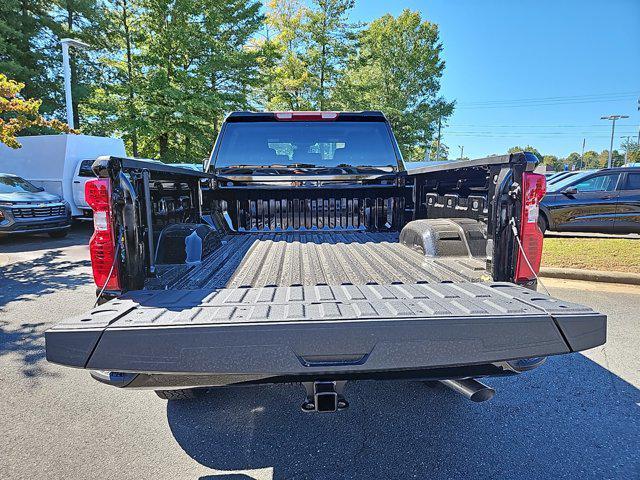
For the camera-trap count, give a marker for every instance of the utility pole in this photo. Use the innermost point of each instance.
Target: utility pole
(461, 147)
(66, 68)
(613, 118)
(626, 150)
(438, 144)
(584, 140)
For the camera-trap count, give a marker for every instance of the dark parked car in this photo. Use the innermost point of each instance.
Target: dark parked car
(560, 177)
(604, 201)
(25, 208)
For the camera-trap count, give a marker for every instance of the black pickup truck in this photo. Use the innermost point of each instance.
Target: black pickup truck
(306, 252)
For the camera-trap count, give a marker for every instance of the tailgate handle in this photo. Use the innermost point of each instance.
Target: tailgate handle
(333, 360)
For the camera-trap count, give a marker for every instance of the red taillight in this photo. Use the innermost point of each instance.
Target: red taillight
(306, 116)
(102, 245)
(534, 186)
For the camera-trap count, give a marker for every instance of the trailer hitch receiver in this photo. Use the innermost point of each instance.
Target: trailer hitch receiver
(324, 396)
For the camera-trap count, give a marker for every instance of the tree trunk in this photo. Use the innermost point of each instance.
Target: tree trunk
(322, 69)
(163, 143)
(132, 109)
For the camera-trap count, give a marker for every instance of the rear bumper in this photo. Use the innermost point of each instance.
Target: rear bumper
(168, 381)
(191, 333)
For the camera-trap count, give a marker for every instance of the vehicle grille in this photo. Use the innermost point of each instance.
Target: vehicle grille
(36, 212)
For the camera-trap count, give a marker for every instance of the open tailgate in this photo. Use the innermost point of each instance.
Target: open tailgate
(301, 330)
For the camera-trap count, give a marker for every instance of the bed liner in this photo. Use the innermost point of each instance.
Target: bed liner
(317, 258)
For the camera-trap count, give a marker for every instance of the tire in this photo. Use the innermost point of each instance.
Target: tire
(543, 224)
(58, 234)
(180, 394)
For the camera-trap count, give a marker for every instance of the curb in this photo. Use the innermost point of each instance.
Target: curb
(591, 275)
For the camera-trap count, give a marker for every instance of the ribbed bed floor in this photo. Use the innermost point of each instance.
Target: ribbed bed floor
(318, 258)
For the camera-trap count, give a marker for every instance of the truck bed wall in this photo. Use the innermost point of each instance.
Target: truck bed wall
(472, 191)
(371, 208)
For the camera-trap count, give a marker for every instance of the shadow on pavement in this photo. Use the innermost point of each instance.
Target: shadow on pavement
(28, 341)
(570, 418)
(27, 281)
(40, 276)
(79, 234)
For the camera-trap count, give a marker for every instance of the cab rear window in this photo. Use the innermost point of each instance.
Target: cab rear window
(310, 144)
(85, 169)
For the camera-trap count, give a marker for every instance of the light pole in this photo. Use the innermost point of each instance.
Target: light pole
(66, 67)
(613, 118)
(584, 140)
(461, 147)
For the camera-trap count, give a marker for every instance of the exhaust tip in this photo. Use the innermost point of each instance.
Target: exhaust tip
(471, 389)
(482, 395)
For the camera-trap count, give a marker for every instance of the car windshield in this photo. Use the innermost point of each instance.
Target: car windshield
(10, 184)
(560, 177)
(306, 147)
(561, 184)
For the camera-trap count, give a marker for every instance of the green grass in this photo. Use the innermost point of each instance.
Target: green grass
(611, 254)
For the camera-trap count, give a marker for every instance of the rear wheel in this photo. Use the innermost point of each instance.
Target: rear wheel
(58, 234)
(180, 394)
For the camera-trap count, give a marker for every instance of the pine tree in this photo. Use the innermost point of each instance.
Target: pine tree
(288, 84)
(114, 104)
(329, 41)
(80, 20)
(29, 53)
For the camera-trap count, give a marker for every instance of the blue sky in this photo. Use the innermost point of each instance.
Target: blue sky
(583, 53)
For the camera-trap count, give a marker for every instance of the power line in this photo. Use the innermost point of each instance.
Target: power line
(568, 134)
(557, 98)
(550, 104)
(599, 125)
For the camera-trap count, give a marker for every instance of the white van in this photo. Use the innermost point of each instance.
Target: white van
(61, 164)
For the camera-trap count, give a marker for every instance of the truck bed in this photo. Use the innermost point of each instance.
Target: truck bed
(295, 304)
(317, 258)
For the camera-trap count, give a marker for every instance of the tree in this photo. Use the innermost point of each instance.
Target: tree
(528, 148)
(28, 50)
(329, 41)
(18, 113)
(175, 67)
(397, 69)
(81, 20)
(632, 150)
(573, 160)
(590, 159)
(114, 104)
(552, 161)
(617, 159)
(287, 78)
(230, 60)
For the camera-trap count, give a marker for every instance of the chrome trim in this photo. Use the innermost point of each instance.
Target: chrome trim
(302, 178)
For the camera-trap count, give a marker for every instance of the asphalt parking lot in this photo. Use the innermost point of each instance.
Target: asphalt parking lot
(576, 417)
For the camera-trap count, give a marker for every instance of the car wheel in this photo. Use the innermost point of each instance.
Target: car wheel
(542, 223)
(181, 394)
(58, 234)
